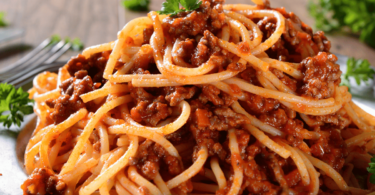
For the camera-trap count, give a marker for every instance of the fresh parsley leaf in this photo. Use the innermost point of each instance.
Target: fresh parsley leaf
(14, 105)
(190, 5)
(55, 39)
(340, 15)
(371, 169)
(2, 20)
(77, 44)
(172, 7)
(359, 69)
(136, 5)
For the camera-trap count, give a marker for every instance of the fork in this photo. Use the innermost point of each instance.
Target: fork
(27, 76)
(45, 53)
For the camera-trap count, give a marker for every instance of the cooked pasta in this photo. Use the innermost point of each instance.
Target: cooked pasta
(226, 99)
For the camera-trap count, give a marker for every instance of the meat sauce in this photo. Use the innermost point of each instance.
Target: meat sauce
(211, 113)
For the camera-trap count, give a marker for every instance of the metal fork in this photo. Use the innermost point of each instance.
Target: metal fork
(27, 76)
(45, 53)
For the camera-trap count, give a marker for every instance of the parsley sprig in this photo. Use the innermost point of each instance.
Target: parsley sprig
(172, 7)
(371, 169)
(136, 5)
(2, 20)
(359, 69)
(14, 105)
(77, 44)
(340, 15)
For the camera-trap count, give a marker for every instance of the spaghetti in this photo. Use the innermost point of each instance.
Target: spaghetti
(226, 99)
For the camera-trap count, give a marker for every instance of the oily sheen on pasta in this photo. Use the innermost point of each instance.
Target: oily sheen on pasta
(226, 99)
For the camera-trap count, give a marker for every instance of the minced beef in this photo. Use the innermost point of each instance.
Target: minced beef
(44, 182)
(209, 16)
(149, 110)
(174, 95)
(321, 76)
(339, 120)
(69, 102)
(186, 49)
(208, 48)
(297, 41)
(150, 159)
(256, 104)
(94, 65)
(331, 150)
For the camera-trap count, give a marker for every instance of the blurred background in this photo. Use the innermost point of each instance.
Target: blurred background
(97, 21)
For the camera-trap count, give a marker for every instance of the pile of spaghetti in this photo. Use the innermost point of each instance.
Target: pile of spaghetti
(226, 99)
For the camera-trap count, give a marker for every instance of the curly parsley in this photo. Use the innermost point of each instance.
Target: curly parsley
(172, 7)
(14, 105)
(339, 15)
(136, 5)
(371, 169)
(2, 20)
(359, 69)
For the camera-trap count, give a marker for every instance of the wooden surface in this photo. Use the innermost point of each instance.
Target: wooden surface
(97, 21)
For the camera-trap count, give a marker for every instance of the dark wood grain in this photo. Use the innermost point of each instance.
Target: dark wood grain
(97, 21)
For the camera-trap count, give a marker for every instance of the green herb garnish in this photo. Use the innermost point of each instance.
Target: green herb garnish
(77, 44)
(15, 103)
(172, 7)
(338, 15)
(359, 69)
(136, 5)
(371, 169)
(55, 39)
(2, 20)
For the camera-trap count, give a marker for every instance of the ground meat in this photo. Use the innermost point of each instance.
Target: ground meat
(279, 119)
(174, 95)
(250, 76)
(143, 60)
(297, 41)
(293, 178)
(214, 95)
(209, 16)
(94, 65)
(186, 49)
(206, 123)
(149, 110)
(43, 181)
(276, 118)
(289, 82)
(331, 150)
(69, 102)
(147, 33)
(257, 175)
(321, 76)
(256, 104)
(208, 48)
(338, 120)
(150, 159)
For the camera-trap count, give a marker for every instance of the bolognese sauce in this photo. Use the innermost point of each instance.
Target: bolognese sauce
(264, 142)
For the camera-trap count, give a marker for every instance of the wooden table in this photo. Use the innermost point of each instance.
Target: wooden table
(97, 21)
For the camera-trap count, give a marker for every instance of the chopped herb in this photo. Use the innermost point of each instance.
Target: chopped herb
(172, 7)
(14, 105)
(338, 15)
(371, 169)
(2, 20)
(136, 5)
(359, 69)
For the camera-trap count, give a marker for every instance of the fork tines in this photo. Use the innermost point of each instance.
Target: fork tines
(38, 59)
